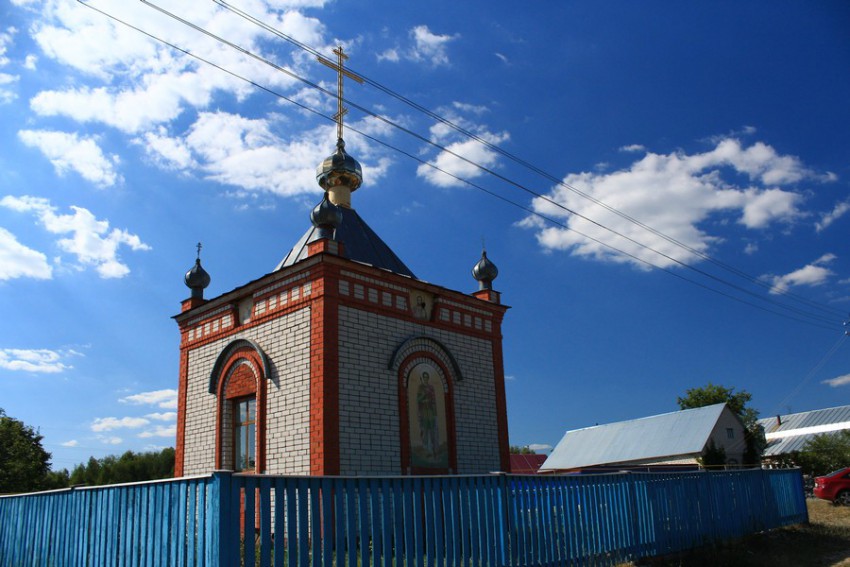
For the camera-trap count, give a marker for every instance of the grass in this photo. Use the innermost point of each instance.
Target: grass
(824, 542)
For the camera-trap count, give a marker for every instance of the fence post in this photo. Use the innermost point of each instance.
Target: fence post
(221, 513)
(503, 514)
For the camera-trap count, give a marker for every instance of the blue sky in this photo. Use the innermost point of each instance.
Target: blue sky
(710, 137)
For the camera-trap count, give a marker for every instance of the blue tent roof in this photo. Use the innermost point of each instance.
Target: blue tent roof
(360, 243)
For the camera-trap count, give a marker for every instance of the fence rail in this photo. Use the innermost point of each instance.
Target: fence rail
(500, 520)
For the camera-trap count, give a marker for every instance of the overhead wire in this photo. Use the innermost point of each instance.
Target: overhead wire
(546, 175)
(491, 193)
(814, 370)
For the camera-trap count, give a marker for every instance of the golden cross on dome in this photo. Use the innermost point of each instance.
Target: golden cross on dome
(341, 72)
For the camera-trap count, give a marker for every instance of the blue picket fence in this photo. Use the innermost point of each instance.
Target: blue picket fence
(499, 520)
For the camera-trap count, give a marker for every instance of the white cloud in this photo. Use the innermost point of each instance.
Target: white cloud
(31, 62)
(71, 443)
(246, 153)
(166, 399)
(110, 423)
(18, 261)
(162, 416)
(5, 39)
(838, 381)
(167, 152)
(827, 219)
(160, 431)
(633, 148)
(7, 94)
(462, 156)
(7, 81)
(760, 207)
(460, 159)
(675, 194)
(389, 55)
(144, 83)
(110, 440)
(35, 360)
(811, 275)
(540, 447)
(430, 47)
(69, 152)
(90, 240)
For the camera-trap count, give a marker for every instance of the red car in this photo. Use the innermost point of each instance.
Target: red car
(834, 487)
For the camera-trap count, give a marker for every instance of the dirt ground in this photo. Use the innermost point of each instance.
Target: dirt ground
(824, 542)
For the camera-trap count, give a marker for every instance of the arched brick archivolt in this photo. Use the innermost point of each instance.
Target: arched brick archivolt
(426, 407)
(239, 373)
(427, 345)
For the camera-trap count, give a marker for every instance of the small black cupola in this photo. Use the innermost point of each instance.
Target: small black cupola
(197, 279)
(485, 272)
(326, 217)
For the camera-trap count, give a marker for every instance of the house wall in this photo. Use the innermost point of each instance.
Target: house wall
(737, 445)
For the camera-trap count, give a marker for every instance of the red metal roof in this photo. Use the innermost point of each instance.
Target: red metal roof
(526, 464)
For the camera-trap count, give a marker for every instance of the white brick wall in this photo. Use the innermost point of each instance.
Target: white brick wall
(286, 342)
(369, 404)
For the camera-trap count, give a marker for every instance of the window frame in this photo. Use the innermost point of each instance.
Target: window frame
(236, 425)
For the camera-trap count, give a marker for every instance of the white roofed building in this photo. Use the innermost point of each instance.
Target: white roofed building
(676, 439)
(788, 434)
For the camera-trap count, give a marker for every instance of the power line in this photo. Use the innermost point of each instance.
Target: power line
(811, 374)
(548, 176)
(811, 316)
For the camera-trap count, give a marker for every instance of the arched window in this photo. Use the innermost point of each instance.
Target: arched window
(238, 380)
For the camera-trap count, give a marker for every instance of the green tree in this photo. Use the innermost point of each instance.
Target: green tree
(713, 457)
(711, 394)
(129, 467)
(517, 450)
(24, 464)
(825, 453)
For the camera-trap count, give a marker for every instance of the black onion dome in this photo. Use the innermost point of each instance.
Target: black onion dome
(485, 271)
(339, 169)
(197, 279)
(326, 214)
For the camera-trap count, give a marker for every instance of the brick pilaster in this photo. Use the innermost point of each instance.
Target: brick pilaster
(324, 376)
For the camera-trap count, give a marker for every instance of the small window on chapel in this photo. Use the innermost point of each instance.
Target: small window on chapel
(730, 433)
(244, 434)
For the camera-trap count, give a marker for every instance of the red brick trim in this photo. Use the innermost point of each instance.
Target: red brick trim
(501, 406)
(435, 321)
(182, 388)
(324, 375)
(488, 295)
(404, 415)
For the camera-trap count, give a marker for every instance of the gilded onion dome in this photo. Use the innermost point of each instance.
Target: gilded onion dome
(339, 169)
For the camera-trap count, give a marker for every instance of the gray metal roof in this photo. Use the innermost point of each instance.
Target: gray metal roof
(359, 241)
(667, 436)
(789, 433)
